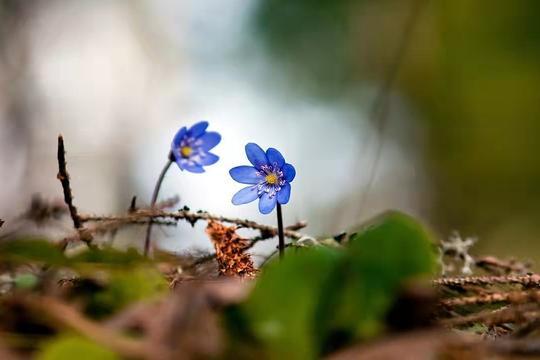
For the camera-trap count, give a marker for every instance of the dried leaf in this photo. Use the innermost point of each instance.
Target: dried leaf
(230, 251)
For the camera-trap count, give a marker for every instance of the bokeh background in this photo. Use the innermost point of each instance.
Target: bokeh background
(428, 106)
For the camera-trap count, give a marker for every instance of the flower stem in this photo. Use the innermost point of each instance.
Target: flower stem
(280, 232)
(154, 199)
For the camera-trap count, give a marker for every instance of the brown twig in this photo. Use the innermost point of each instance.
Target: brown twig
(67, 316)
(515, 297)
(526, 312)
(193, 217)
(525, 280)
(494, 265)
(63, 176)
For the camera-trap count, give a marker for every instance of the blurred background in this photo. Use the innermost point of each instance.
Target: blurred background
(428, 106)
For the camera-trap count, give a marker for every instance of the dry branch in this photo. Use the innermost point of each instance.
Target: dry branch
(515, 297)
(529, 280)
(63, 176)
(67, 316)
(193, 217)
(521, 313)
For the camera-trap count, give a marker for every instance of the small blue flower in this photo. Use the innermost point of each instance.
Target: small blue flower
(190, 148)
(269, 178)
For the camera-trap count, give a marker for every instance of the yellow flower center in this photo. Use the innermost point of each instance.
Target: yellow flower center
(186, 151)
(271, 179)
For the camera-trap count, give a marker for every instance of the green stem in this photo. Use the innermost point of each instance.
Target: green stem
(154, 200)
(281, 235)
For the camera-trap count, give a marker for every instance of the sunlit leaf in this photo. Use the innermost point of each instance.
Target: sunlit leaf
(26, 281)
(69, 347)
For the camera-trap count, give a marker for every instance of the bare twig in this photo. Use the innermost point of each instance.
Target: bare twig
(67, 316)
(133, 205)
(525, 280)
(192, 217)
(515, 297)
(381, 104)
(526, 312)
(493, 264)
(63, 176)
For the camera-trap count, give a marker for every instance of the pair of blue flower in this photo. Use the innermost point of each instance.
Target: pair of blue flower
(269, 178)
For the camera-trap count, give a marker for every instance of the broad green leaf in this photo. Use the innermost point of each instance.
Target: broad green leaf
(391, 249)
(69, 347)
(319, 298)
(281, 307)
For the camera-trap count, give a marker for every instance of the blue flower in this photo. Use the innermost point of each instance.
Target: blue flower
(269, 178)
(190, 148)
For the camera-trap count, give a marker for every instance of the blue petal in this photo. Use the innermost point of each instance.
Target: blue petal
(267, 203)
(180, 162)
(198, 129)
(245, 174)
(208, 159)
(275, 157)
(178, 137)
(209, 140)
(256, 155)
(246, 195)
(192, 167)
(284, 194)
(289, 172)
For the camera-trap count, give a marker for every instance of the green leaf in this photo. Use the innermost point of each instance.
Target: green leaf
(109, 256)
(28, 250)
(26, 281)
(126, 287)
(69, 347)
(319, 298)
(281, 306)
(391, 249)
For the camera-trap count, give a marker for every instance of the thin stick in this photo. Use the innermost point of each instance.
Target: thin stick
(280, 232)
(63, 176)
(381, 104)
(525, 280)
(515, 297)
(67, 316)
(154, 199)
(193, 217)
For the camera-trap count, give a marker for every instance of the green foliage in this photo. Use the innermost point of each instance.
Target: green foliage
(32, 250)
(69, 347)
(126, 287)
(319, 298)
(26, 281)
(389, 250)
(309, 38)
(43, 251)
(281, 307)
(109, 257)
